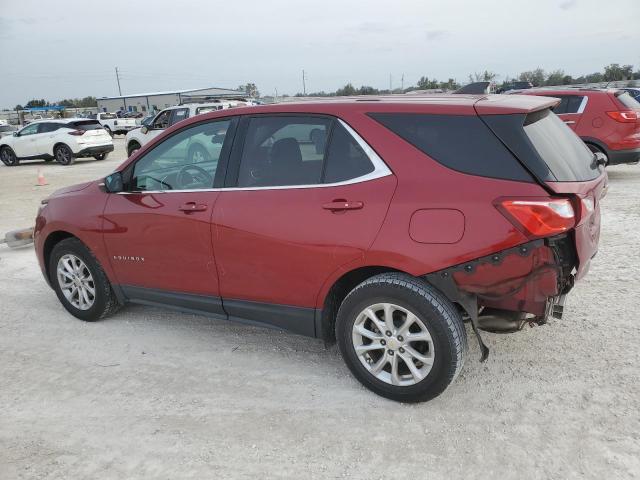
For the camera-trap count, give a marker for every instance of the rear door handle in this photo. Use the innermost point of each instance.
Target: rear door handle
(569, 122)
(340, 205)
(192, 207)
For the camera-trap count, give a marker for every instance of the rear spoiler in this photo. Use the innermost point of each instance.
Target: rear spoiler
(505, 104)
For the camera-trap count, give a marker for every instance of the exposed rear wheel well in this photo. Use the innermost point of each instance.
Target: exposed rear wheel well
(51, 242)
(339, 291)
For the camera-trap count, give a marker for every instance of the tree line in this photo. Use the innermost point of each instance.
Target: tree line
(85, 102)
(538, 78)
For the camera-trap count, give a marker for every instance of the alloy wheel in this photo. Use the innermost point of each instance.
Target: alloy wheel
(76, 282)
(393, 344)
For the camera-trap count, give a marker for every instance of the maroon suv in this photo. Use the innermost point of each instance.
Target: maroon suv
(384, 223)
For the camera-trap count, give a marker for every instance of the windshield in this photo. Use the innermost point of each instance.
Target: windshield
(568, 158)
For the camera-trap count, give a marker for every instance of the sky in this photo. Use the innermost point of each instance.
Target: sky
(57, 49)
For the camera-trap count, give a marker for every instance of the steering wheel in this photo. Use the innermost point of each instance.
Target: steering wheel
(192, 176)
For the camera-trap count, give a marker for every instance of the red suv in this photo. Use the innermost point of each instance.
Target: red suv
(608, 121)
(383, 223)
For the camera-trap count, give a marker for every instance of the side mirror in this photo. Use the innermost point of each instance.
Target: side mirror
(113, 183)
(600, 159)
(16, 134)
(144, 129)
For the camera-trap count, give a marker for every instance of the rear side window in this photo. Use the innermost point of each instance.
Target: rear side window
(48, 127)
(85, 125)
(345, 158)
(460, 142)
(568, 104)
(627, 100)
(566, 156)
(179, 115)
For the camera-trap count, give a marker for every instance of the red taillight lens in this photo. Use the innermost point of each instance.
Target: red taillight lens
(540, 218)
(76, 133)
(625, 116)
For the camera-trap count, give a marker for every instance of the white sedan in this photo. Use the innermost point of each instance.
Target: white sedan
(63, 140)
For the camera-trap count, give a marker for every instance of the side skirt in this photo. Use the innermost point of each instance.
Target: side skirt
(299, 320)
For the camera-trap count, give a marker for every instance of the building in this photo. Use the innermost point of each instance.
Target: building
(149, 102)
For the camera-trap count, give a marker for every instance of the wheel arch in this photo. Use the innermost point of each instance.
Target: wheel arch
(51, 241)
(336, 292)
(58, 144)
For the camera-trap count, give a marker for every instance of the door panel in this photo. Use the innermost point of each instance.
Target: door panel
(152, 242)
(25, 144)
(279, 246)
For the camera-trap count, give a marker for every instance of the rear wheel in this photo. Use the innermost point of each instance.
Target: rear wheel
(400, 337)
(8, 157)
(64, 155)
(79, 282)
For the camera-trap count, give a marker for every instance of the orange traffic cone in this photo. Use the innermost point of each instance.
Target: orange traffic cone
(41, 180)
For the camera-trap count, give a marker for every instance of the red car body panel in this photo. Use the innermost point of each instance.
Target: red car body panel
(280, 246)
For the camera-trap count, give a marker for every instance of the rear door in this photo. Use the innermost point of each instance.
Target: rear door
(307, 195)
(45, 137)
(570, 109)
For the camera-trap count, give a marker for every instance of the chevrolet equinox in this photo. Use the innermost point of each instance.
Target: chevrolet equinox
(384, 223)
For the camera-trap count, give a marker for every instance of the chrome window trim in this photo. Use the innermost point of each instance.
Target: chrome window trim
(380, 169)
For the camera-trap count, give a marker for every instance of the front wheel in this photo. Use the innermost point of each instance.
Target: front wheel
(79, 282)
(64, 155)
(8, 157)
(401, 338)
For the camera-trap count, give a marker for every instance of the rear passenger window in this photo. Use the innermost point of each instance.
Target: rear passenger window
(460, 142)
(280, 151)
(573, 103)
(48, 127)
(345, 158)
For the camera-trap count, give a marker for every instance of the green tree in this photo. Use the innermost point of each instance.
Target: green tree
(486, 76)
(616, 72)
(425, 84)
(347, 90)
(450, 84)
(250, 89)
(18, 107)
(593, 78)
(555, 78)
(37, 103)
(366, 90)
(536, 77)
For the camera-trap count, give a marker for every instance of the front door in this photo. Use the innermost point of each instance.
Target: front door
(25, 145)
(158, 232)
(301, 208)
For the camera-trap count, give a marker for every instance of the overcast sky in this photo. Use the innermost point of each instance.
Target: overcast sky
(56, 49)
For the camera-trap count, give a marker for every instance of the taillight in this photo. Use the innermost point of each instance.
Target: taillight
(77, 133)
(625, 116)
(539, 218)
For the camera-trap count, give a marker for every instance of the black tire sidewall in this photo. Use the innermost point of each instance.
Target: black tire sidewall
(443, 369)
(66, 162)
(100, 156)
(14, 160)
(75, 247)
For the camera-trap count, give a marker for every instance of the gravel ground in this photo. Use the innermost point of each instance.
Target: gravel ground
(155, 394)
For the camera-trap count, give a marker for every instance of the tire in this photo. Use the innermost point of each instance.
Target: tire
(101, 156)
(108, 130)
(8, 157)
(64, 155)
(198, 154)
(103, 301)
(132, 148)
(438, 324)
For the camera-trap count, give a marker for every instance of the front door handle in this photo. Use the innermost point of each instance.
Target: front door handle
(340, 205)
(190, 207)
(569, 122)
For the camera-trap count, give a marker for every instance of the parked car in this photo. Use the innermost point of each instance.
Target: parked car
(607, 120)
(114, 124)
(368, 222)
(634, 92)
(515, 86)
(63, 140)
(168, 117)
(6, 129)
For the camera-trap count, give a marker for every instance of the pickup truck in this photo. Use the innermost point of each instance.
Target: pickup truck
(113, 125)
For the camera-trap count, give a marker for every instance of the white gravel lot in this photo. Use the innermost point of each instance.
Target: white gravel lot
(161, 395)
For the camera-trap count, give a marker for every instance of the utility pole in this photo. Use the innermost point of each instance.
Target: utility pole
(118, 79)
(304, 84)
(402, 83)
(390, 82)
